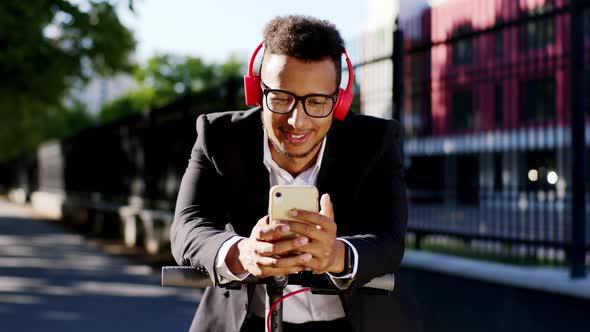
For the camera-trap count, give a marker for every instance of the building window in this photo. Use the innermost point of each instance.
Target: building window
(537, 100)
(498, 46)
(462, 110)
(498, 171)
(416, 67)
(413, 118)
(498, 40)
(498, 106)
(462, 47)
(539, 33)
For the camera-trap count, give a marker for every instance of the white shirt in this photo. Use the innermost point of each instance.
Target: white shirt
(303, 307)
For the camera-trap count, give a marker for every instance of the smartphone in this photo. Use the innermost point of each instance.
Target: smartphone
(283, 198)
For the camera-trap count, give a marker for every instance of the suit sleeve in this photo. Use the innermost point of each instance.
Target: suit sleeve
(383, 211)
(198, 230)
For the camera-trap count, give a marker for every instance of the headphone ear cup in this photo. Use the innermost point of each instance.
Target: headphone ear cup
(252, 90)
(342, 104)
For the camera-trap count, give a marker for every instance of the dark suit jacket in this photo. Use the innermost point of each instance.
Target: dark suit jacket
(226, 182)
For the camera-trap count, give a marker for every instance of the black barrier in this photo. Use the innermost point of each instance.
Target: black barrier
(493, 163)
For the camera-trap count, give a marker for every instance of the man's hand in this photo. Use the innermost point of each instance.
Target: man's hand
(327, 252)
(263, 254)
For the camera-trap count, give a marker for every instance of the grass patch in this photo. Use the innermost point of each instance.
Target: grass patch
(490, 251)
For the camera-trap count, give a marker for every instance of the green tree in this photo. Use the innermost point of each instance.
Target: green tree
(140, 100)
(166, 77)
(68, 120)
(171, 76)
(47, 46)
(232, 68)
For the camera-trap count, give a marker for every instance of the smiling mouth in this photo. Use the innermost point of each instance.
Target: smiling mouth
(297, 138)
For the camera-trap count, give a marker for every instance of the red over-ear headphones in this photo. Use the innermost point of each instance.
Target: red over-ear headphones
(253, 91)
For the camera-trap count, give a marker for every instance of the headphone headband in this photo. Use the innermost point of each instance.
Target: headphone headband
(252, 59)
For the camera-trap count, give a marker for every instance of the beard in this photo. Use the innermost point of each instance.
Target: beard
(282, 151)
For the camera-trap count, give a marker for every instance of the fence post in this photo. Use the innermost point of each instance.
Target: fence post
(578, 244)
(398, 81)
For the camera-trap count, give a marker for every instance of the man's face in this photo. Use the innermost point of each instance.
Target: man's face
(297, 135)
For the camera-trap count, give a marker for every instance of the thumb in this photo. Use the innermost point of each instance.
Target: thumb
(263, 221)
(326, 207)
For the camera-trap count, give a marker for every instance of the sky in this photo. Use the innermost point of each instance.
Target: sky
(214, 29)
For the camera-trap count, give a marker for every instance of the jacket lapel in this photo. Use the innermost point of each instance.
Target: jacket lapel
(339, 178)
(331, 177)
(255, 177)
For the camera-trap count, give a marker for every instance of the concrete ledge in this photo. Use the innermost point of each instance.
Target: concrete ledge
(553, 280)
(48, 204)
(18, 195)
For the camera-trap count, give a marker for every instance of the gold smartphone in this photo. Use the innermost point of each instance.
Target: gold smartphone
(283, 198)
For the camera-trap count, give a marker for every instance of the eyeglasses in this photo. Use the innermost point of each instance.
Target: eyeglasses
(283, 102)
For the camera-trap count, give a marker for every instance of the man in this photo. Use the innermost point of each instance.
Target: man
(293, 138)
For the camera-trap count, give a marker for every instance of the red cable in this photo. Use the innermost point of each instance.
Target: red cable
(272, 307)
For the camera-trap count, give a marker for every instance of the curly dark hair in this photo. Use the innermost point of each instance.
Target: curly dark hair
(305, 38)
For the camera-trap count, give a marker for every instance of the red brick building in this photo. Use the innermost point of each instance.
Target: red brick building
(487, 100)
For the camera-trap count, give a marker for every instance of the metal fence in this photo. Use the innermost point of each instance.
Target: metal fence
(489, 89)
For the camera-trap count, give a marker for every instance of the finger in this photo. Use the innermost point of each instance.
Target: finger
(270, 232)
(314, 218)
(284, 262)
(253, 269)
(311, 231)
(317, 266)
(263, 221)
(326, 207)
(317, 250)
(247, 252)
(297, 260)
(279, 247)
(268, 268)
(264, 261)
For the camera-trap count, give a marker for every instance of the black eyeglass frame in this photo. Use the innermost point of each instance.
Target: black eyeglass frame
(266, 90)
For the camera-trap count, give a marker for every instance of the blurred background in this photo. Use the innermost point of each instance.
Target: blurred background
(98, 102)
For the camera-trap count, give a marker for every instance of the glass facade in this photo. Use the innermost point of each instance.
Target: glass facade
(463, 48)
(462, 110)
(498, 109)
(538, 100)
(539, 33)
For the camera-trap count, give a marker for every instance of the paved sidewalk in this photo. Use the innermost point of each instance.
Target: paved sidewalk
(52, 280)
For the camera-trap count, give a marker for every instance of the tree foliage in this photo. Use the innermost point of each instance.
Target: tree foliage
(140, 100)
(166, 77)
(46, 47)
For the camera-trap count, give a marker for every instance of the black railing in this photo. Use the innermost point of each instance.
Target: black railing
(495, 146)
